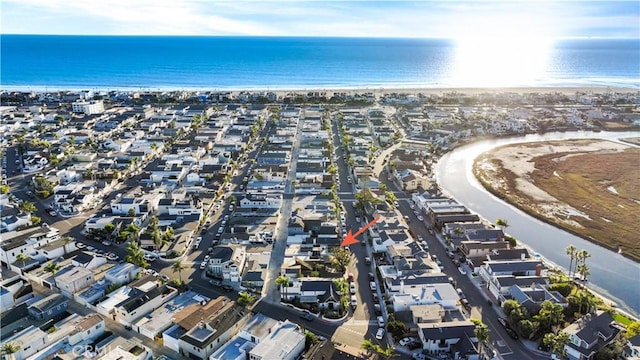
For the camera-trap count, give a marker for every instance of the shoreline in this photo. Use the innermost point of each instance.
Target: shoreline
(377, 90)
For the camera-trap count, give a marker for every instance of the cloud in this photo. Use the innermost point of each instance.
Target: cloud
(321, 18)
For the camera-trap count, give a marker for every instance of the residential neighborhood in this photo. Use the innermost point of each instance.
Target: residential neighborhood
(210, 225)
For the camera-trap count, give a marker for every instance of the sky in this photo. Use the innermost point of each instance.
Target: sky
(390, 18)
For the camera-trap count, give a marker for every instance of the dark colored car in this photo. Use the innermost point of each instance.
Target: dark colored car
(227, 288)
(307, 317)
(511, 333)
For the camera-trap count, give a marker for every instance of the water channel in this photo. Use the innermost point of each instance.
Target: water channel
(612, 275)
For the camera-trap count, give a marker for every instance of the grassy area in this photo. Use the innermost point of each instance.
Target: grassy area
(602, 186)
(622, 319)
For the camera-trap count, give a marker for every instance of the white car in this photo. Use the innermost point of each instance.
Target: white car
(354, 301)
(462, 271)
(380, 334)
(112, 257)
(406, 341)
(352, 288)
(203, 265)
(206, 258)
(380, 321)
(420, 218)
(149, 258)
(372, 286)
(80, 245)
(53, 213)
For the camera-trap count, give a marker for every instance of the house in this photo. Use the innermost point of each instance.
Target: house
(29, 341)
(631, 350)
(123, 205)
(456, 337)
(286, 341)
(87, 328)
(88, 261)
(153, 325)
(143, 296)
(492, 269)
(412, 180)
(123, 273)
(75, 279)
(25, 242)
(322, 292)
(443, 294)
(531, 297)
(201, 329)
(48, 307)
(228, 262)
(261, 201)
(589, 334)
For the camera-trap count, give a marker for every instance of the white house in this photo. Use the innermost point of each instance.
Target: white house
(261, 201)
(75, 279)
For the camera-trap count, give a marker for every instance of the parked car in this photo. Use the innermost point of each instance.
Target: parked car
(227, 288)
(367, 260)
(352, 288)
(380, 321)
(371, 276)
(53, 213)
(380, 334)
(377, 309)
(503, 322)
(372, 286)
(406, 341)
(462, 271)
(80, 245)
(203, 265)
(112, 257)
(354, 301)
(418, 356)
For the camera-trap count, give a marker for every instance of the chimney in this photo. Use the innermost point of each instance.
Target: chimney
(402, 286)
(538, 269)
(522, 256)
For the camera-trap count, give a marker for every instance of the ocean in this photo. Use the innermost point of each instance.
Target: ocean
(41, 62)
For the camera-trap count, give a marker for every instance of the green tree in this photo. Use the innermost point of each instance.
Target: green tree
(310, 339)
(571, 251)
(168, 234)
(556, 343)
(550, 314)
(386, 352)
(4, 189)
(368, 346)
(135, 255)
(246, 298)
(503, 223)
(633, 329)
(340, 258)
(23, 258)
(581, 259)
(283, 282)
(390, 196)
(131, 212)
(177, 266)
(481, 333)
(52, 268)
(35, 219)
(27, 207)
(10, 348)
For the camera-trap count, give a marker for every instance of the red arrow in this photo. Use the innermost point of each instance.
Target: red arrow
(350, 239)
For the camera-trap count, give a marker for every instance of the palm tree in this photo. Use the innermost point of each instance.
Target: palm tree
(177, 266)
(583, 298)
(52, 268)
(386, 352)
(503, 223)
(10, 348)
(582, 257)
(136, 255)
(481, 333)
(283, 282)
(550, 314)
(583, 270)
(246, 299)
(22, 257)
(27, 207)
(367, 346)
(571, 250)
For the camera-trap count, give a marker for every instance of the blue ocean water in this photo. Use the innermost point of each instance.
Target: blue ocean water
(166, 62)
